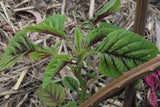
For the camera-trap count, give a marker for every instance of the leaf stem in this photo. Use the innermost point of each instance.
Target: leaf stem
(80, 78)
(71, 46)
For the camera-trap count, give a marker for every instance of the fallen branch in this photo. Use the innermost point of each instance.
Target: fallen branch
(124, 80)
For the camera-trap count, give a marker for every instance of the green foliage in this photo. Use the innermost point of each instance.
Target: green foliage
(20, 46)
(123, 50)
(71, 104)
(51, 95)
(78, 38)
(70, 83)
(98, 34)
(56, 81)
(110, 7)
(40, 53)
(17, 48)
(119, 51)
(53, 25)
(55, 65)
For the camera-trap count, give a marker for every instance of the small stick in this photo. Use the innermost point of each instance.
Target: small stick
(9, 21)
(23, 9)
(63, 42)
(21, 3)
(16, 87)
(91, 9)
(63, 7)
(21, 102)
(4, 93)
(120, 83)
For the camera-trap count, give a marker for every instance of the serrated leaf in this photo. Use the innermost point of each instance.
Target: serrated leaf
(71, 104)
(55, 65)
(17, 48)
(46, 29)
(123, 50)
(56, 21)
(53, 25)
(40, 53)
(51, 95)
(78, 38)
(20, 46)
(109, 8)
(98, 34)
(70, 83)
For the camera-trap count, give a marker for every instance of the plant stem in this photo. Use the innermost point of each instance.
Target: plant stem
(82, 84)
(80, 78)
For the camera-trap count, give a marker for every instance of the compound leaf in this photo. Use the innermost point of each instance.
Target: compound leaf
(55, 65)
(70, 83)
(53, 25)
(98, 34)
(123, 50)
(51, 95)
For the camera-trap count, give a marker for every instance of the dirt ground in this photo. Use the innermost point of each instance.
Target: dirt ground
(17, 14)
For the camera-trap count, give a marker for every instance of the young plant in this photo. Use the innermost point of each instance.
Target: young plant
(119, 50)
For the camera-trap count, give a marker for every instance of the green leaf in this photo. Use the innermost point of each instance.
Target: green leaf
(40, 53)
(20, 46)
(56, 21)
(109, 8)
(51, 95)
(57, 80)
(55, 65)
(78, 38)
(71, 104)
(70, 83)
(53, 25)
(98, 34)
(17, 48)
(123, 50)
